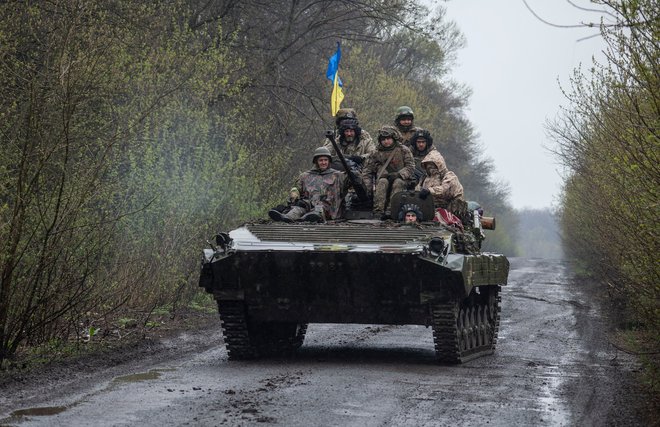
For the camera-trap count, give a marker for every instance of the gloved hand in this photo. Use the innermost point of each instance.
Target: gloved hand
(424, 193)
(356, 159)
(302, 203)
(354, 177)
(337, 165)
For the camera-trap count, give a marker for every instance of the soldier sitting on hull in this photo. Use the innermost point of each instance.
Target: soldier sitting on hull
(404, 123)
(389, 169)
(421, 146)
(441, 183)
(322, 190)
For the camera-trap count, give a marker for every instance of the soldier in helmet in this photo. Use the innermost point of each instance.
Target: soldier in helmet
(421, 144)
(410, 213)
(404, 123)
(354, 142)
(322, 190)
(388, 170)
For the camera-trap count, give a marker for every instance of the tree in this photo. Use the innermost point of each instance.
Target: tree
(608, 141)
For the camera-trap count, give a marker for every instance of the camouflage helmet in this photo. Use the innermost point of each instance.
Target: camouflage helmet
(320, 152)
(344, 113)
(404, 111)
(389, 131)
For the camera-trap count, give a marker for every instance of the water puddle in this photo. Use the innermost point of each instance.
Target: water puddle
(550, 399)
(153, 374)
(46, 411)
(43, 411)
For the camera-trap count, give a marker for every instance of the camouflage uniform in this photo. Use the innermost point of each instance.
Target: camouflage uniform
(406, 131)
(363, 147)
(399, 170)
(418, 155)
(444, 186)
(323, 192)
(363, 144)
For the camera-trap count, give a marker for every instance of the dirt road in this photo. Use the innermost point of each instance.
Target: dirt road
(553, 366)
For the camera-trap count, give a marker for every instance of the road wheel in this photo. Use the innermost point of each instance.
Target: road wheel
(465, 330)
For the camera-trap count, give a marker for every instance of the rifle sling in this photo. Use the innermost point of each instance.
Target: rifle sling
(387, 162)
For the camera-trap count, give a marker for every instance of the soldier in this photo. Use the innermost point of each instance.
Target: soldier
(391, 167)
(355, 143)
(440, 183)
(410, 214)
(322, 190)
(404, 123)
(421, 145)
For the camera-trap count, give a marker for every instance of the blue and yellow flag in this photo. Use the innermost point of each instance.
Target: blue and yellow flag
(333, 75)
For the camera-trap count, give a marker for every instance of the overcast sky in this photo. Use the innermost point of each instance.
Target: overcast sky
(513, 63)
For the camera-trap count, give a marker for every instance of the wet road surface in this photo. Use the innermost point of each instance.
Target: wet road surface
(552, 367)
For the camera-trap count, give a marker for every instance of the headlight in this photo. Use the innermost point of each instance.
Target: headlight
(437, 246)
(208, 255)
(222, 240)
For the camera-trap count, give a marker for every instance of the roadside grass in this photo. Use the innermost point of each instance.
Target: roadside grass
(203, 302)
(643, 344)
(633, 330)
(124, 329)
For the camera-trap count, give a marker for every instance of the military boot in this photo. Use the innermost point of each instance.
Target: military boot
(294, 214)
(276, 215)
(311, 217)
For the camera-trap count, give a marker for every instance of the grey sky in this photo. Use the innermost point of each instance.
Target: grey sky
(513, 63)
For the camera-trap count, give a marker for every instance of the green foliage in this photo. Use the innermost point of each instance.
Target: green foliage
(609, 143)
(126, 322)
(151, 324)
(608, 140)
(202, 303)
(59, 133)
(111, 161)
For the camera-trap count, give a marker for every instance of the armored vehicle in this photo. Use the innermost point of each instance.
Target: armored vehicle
(272, 279)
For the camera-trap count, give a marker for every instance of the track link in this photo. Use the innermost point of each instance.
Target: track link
(467, 330)
(235, 330)
(246, 339)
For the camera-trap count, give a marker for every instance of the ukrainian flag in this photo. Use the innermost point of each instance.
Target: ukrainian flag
(333, 75)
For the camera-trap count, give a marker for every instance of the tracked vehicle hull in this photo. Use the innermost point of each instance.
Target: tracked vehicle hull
(271, 279)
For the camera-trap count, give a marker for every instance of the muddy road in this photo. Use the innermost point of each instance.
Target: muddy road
(553, 366)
